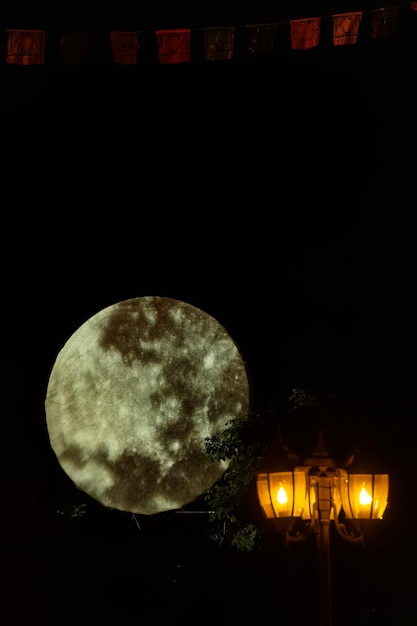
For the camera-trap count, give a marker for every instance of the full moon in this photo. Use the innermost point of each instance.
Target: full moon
(132, 396)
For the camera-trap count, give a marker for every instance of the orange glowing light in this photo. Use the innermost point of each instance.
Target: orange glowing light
(364, 497)
(282, 496)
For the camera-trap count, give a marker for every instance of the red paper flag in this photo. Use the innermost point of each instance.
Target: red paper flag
(384, 22)
(261, 38)
(219, 43)
(75, 46)
(346, 28)
(413, 6)
(305, 33)
(174, 45)
(125, 47)
(26, 47)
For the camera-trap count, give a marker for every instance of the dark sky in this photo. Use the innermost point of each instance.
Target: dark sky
(276, 196)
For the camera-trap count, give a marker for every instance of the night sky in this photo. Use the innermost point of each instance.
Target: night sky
(276, 196)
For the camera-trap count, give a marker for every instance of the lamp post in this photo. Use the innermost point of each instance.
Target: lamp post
(308, 498)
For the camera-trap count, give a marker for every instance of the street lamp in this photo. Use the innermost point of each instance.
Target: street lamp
(306, 499)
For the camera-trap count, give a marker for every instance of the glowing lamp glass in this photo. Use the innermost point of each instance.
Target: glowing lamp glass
(364, 496)
(337, 499)
(282, 494)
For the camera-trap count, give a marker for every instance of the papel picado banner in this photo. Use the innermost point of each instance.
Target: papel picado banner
(32, 47)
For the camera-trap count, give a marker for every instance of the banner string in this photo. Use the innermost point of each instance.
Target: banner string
(225, 25)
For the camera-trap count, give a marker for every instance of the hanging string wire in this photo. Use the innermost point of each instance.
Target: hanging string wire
(412, 5)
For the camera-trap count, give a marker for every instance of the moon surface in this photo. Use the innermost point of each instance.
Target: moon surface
(132, 396)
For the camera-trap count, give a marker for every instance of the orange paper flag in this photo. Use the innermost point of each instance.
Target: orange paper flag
(174, 45)
(26, 47)
(125, 47)
(261, 38)
(219, 43)
(384, 22)
(346, 28)
(75, 46)
(305, 33)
